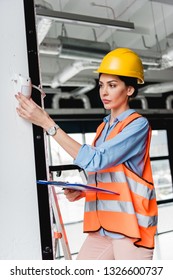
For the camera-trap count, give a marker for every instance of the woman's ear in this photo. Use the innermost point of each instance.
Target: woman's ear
(130, 90)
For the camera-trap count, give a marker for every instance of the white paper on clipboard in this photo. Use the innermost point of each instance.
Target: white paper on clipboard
(76, 186)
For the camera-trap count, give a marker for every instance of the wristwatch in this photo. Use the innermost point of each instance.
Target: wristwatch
(52, 130)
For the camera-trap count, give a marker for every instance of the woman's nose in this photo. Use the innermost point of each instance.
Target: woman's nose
(104, 90)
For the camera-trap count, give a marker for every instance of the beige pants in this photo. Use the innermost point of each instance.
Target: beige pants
(97, 247)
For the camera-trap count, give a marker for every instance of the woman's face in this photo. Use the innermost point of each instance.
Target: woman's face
(114, 93)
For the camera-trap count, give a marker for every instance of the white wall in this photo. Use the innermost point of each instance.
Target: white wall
(19, 222)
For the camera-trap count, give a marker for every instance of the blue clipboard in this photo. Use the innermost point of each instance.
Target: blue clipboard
(76, 186)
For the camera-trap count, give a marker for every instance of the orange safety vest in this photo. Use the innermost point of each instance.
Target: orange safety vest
(133, 212)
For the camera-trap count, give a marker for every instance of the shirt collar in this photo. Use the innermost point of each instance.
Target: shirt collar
(121, 117)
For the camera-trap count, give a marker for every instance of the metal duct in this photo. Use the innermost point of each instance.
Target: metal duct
(72, 48)
(83, 49)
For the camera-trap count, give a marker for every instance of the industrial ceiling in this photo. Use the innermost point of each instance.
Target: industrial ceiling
(74, 35)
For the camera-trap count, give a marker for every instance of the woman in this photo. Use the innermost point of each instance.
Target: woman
(120, 226)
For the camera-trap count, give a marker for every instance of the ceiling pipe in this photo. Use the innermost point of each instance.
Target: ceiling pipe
(57, 97)
(144, 103)
(81, 83)
(157, 88)
(70, 71)
(84, 99)
(84, 89)
(169, 100)
(83, 86)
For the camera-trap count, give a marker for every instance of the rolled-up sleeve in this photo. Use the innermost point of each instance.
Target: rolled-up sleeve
(127, 144)
(89, 157)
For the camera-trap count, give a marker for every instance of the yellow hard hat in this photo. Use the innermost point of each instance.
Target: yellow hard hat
(122, 62)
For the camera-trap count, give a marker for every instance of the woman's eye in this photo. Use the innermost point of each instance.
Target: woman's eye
(112, 85)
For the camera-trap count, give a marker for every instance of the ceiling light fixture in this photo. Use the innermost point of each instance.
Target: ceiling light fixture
(83, 20)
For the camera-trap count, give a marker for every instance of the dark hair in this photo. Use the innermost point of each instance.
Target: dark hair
(129, 81)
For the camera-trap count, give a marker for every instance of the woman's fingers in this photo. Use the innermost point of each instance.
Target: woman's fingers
(25, 109)
(71, 195)
(21, 112)
(30, 111)
(24, 102)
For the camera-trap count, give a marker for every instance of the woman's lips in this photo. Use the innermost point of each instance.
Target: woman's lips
(105, 101)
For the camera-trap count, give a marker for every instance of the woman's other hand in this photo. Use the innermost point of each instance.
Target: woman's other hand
(72, 195)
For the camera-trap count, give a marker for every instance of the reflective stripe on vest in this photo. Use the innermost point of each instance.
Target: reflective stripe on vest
(121, 206)
(119, 177)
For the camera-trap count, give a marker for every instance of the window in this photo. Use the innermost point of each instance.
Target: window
(160, 164)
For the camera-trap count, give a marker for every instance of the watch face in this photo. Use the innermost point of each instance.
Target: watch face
(51, 131)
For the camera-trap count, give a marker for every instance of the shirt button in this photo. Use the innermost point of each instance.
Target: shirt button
(102, 150)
